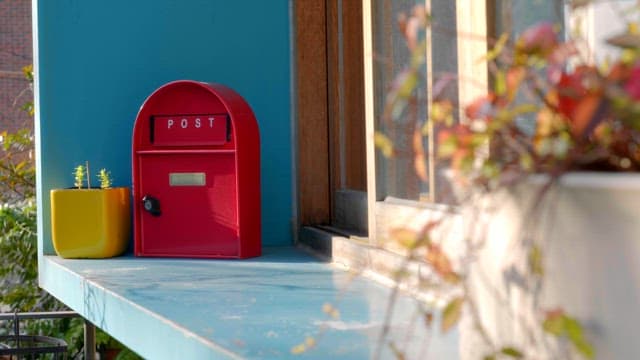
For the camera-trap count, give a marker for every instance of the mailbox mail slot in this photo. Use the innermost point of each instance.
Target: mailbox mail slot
(196, 174)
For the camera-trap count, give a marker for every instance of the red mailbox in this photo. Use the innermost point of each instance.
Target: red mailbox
(196, 174)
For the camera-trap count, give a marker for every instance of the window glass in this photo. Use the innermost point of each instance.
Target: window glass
(397, 176)
(515, 15)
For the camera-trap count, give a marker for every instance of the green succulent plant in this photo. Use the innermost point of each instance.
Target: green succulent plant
(82, 173)
(105, 178)
(79, 175)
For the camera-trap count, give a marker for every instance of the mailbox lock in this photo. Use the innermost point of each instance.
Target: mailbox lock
(152, 205)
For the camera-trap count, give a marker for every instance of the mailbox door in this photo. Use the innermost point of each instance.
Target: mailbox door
(197, 198)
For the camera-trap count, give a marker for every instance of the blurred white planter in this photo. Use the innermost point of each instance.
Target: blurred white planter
(590, 230)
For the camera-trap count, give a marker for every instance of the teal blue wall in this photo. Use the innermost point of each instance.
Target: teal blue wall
(96, 61)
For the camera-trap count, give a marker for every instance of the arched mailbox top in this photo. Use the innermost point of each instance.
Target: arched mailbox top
(187, 113)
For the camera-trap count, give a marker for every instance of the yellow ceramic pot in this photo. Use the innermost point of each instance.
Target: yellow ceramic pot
(90, 223)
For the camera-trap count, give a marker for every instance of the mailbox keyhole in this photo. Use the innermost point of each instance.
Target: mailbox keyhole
(152, 205)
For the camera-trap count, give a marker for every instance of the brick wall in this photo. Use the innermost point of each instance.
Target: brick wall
(15, 53)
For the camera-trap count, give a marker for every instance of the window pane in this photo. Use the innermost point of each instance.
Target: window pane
(516, 15)
(396, 176)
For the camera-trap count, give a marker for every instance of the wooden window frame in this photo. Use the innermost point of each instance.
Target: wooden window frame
(329, 85)
(321, 102)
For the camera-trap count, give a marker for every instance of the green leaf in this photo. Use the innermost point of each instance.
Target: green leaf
(509, 351)
(383, 143)
(451, 314)
(27, 71)
(407, 238)
(575, 333)
(425, 129)
(402, 89)
(447, 147)
(535, 261)
(523, 109)
(398, 107)
(572, 328)
(479, 139)
(490, 169)
(559, 324)
(526, 162)
(585, 349)
(554, 325)
(497, 49)
(408, 84)
(418, 55)
(466, 164)
(500, 83)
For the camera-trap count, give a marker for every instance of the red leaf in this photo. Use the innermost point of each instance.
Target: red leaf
(440, 263)
(583, 115)
(480, 108)
(632, 86)
(538, 39)
(570, 91)
(515, 76)
(420, 160)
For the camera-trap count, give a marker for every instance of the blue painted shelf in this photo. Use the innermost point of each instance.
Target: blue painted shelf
(257, 309)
